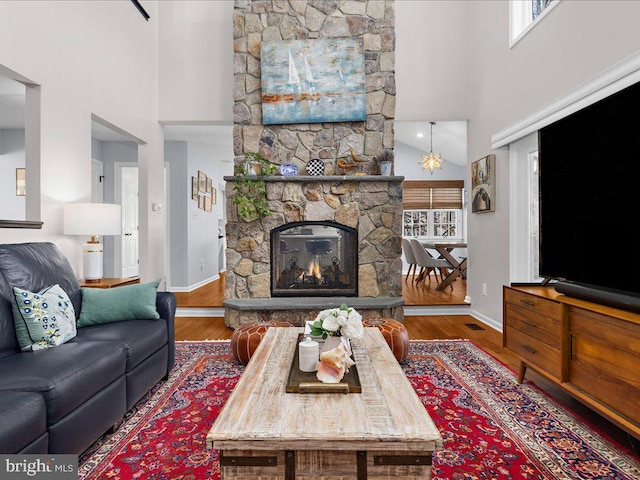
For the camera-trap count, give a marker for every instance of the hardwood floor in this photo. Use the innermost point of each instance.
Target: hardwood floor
(211, 295)
(426, 293)
(208, 296)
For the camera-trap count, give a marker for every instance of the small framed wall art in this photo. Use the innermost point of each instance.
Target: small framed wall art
(21, 182)
(202, 182)
(483, 185)
(194, 188)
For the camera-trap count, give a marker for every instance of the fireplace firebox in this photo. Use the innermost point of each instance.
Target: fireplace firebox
(314, 259)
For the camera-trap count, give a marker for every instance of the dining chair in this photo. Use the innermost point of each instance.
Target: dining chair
(409, 257)
(427, 262)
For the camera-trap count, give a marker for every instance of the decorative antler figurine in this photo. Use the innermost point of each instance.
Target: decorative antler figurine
(354, 157)
(342, 163)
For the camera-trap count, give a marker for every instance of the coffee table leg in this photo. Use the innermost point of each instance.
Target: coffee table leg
(289, 465)
(362, 465)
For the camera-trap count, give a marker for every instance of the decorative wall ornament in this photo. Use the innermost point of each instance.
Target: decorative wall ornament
(483, 181)
(315, 167)
(203, 191)
(313, 81)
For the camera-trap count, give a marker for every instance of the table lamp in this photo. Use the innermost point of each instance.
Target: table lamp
(92, 219)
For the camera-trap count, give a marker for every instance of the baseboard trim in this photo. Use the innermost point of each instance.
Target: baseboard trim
(191, 288)
(487, 320)
(429, 311)
(199, 312)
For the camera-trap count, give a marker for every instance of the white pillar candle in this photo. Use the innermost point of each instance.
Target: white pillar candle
(308, 355)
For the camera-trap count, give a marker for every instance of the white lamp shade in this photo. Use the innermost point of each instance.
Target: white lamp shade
(92, 219)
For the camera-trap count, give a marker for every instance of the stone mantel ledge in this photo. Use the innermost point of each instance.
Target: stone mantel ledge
(311, 303)
(299, 310)
(321, 178)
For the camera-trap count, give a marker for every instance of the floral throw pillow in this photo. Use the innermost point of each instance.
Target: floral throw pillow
(44, 319)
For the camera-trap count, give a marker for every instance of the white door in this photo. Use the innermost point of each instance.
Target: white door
(129, 202)
(97, 181)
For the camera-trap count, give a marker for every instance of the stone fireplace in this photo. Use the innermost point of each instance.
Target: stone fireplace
(314, 259)
(366, 272)
(368, 207)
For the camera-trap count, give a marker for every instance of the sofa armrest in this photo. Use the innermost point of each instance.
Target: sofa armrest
(166, 305)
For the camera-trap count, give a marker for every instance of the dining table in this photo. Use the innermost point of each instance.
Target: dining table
(459, 264)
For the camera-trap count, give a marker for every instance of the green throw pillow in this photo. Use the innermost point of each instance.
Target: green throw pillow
(44, 319)
(109, 305)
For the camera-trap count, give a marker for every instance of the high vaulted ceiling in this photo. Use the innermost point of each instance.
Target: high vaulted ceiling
(449, 138)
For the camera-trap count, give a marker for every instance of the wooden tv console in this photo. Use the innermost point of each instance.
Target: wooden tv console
(590, 350)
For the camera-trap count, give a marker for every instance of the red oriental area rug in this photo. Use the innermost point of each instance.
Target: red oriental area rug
(492, 427)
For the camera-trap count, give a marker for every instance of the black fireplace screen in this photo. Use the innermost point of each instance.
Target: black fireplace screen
(314, 259)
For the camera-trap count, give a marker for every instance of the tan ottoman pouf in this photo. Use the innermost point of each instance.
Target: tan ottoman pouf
(394, 332)
(246, 338)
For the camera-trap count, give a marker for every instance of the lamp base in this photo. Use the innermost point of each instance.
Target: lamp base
(92, 261)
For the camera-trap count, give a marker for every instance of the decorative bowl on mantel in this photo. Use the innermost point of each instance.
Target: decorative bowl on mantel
(288, 169)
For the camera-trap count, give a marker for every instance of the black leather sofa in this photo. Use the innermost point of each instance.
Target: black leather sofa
(62, 399)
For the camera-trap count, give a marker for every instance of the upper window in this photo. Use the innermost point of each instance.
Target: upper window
(525, 14)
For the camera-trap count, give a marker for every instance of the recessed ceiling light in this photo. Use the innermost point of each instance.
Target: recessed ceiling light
(420, 135)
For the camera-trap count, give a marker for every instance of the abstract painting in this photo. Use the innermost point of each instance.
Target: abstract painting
(483, 181)
(313, 81)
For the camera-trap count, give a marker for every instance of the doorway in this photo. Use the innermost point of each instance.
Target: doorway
(127, 188)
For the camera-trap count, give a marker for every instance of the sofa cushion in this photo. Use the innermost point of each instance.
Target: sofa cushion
(139, 338)
(66, 376)
(23, 417)
(43, 319)
(129, 302)
(33, 267)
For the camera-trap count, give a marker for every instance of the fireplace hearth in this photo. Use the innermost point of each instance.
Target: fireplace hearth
(314, 258)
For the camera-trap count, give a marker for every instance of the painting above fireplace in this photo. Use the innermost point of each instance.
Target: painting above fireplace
(314, 258)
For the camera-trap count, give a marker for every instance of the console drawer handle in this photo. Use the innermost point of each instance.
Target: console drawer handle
(530, 324)
(528, 348)
(528, 302)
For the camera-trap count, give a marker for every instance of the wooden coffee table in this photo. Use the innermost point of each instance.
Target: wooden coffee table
(382, 433)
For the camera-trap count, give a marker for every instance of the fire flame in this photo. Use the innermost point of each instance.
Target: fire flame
(314, 269)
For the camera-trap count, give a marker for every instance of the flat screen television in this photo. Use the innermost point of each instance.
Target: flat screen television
(589, 174)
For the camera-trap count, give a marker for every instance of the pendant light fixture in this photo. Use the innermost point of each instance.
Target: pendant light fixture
(432, 160)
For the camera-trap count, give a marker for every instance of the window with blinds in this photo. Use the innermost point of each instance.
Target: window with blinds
(432, 209)
(430, 195)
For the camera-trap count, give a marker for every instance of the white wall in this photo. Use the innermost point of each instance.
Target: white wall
(202, 260)
(432, 64)
(196, 63)
(12, 206)
(407, 163)
(96, 57)
(577, 40)
(194, 232)
(175, 153)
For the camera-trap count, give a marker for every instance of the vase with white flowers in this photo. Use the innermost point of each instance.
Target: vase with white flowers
(338, 322)
(337, 325)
